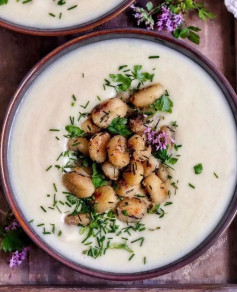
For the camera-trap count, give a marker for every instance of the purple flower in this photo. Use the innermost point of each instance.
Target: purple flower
(142, 15)
(159, 139)
(13, 226)
(18, 257)
(168, 20)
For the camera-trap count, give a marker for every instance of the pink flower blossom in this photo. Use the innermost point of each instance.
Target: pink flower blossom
(159, 139)
(18, 257)
(168, 21)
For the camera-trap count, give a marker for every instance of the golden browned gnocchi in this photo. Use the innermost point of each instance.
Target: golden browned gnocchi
(133, 175)
(105, 199)
(129, 191)
(137, 125)
(79, 219)
(147, 96)
(110, 170)
(131, 209)
(105, 112)
(89, 127)
(138, 147)
(79, 185)
(150, 165)
(97, 146)
(117, 151)
(163, 173)
(79, 144)
(155, 188)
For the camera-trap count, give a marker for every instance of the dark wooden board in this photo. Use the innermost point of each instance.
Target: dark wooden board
(218, 267)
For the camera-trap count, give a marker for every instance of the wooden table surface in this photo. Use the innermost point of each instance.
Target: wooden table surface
(217, 268)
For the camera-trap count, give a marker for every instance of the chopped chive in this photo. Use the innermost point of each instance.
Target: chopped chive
(131, 257)
(98, 98)
(31, 221)
(72, 7)
(60, 233)
(43, 209)
(191, 186)
(54, 130)
(55, 188)
(154, 57)
(58, 209)
(144, 260)
(41, 224)
(48, 168)
(51, 14)
(216, 175)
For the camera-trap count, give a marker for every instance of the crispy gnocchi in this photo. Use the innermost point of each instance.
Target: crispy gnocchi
(120, 170)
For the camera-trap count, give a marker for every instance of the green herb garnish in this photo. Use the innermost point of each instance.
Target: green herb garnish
(198, 168)
(119, 126)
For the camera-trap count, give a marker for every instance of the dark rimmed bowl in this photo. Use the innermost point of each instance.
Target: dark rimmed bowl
(42, 65)
(67, 30)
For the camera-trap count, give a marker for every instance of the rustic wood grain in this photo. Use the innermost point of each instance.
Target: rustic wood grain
(18, 53)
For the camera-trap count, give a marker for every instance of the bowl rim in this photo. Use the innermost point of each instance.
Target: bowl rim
(73, 29)
(189, 257)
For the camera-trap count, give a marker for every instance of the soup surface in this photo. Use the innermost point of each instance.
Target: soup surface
(206, 131)
(48, 14)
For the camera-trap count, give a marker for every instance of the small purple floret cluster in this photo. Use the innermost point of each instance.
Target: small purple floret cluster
(18, 257)
(13, 226)
(168, 21)
(157, 138)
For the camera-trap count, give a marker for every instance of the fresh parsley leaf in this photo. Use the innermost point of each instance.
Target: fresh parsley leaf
(163, 104)
(188, 32)
(123, 82)
(119, 126)
(74, 131)
(198, 168)
(141, 76)
(165, 157)
(14, 240)
(98, 179)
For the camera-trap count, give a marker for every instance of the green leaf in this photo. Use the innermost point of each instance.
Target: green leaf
(2, 2)
(149, 6)
(203, 13)
(14, 240)
(125, 82)
(119, 126)
(163, 104)
(189, 4)
(184, 33)
(141, 76)
(172, 160)
(193, 37)
(98, 179)
(194, 28)
(74, 131)
(121, 246)
(198, 168)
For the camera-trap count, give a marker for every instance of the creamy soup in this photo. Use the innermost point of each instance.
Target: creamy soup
(49, 14)
(206, 131)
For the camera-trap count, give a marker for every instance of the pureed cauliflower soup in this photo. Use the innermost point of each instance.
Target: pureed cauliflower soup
(49, 14)
(99, 200)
